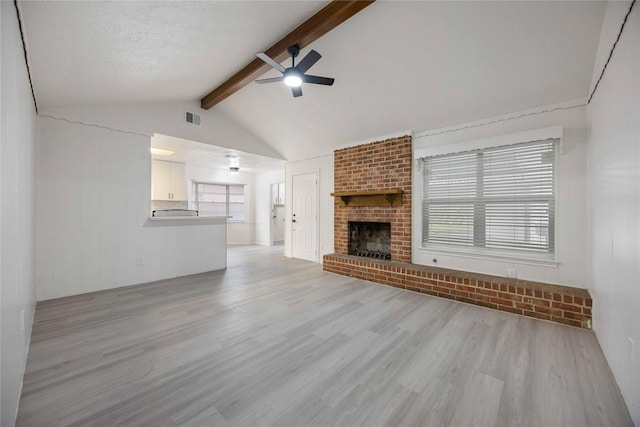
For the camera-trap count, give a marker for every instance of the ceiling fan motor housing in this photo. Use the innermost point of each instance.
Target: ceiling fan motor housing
(293, 50)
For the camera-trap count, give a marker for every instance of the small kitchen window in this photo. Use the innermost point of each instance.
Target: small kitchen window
(218, 200)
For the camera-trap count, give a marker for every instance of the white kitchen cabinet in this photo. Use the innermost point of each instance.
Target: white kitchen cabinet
(178, 182)
(168, 181)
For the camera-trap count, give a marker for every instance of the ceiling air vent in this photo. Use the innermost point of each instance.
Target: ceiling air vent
(194, 119)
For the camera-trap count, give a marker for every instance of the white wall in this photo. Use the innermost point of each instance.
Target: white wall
(614, 188)
(168, 119)
(93, 233)
(324, 167)
(571, 237)
(263, 204)
(238, 233)
(17, 161)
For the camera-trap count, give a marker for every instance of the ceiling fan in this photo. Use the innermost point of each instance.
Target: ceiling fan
(294, 76)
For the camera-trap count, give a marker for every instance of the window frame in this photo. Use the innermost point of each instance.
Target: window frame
(423, 254)
(196, 202)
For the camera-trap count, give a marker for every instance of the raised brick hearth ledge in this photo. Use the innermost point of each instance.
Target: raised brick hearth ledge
(561, 304)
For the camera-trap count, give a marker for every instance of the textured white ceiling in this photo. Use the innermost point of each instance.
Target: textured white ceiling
(399, 66)
(95, 52)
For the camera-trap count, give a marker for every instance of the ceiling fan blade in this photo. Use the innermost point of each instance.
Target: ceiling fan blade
(308, 61)
(327, 81)
(271, 80)
(270, 61)
(297, 91)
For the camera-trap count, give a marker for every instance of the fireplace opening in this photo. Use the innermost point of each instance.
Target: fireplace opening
(370, 239)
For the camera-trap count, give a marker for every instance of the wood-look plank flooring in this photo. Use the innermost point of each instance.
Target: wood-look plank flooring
(272, 341)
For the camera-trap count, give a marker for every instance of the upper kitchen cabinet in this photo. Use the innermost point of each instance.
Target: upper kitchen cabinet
(168, 181)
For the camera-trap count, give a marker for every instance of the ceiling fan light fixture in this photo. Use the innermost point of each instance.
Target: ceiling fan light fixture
(292, 78)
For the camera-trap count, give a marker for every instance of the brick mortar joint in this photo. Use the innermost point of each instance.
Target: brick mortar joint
(388, 274)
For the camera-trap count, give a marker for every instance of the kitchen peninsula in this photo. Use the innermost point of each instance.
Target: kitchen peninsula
(188, 245)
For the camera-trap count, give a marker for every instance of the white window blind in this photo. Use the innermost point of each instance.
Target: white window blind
(219, 200)
(493, 199)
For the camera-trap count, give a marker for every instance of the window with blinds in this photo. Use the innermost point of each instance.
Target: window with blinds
(492, 200)
(219, 200)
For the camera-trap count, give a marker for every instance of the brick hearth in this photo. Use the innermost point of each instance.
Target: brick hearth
(562, 304)
(386, 165)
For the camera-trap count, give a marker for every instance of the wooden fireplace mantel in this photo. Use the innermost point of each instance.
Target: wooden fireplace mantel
(390, 197)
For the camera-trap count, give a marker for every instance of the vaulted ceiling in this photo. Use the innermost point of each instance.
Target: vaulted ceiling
(399, 66)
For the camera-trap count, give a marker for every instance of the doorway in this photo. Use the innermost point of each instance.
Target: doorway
(277, 214)
(304, 219)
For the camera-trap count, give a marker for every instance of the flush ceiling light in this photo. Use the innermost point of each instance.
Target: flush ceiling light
(233, 170)
(160, 152)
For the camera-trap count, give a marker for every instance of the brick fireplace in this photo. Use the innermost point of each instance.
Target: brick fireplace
(370, 239)
(379, 166)
(372, 184)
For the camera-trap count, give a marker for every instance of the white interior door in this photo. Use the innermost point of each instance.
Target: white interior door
(305, 217)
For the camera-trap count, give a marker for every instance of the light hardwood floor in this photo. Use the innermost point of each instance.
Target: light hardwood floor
(275, 341)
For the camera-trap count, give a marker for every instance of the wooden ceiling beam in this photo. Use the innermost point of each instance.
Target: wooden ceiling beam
(332, 15)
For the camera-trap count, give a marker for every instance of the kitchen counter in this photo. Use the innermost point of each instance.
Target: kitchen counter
(184, 220)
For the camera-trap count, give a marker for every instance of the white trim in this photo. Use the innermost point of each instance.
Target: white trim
(541, 134)
(496, 256)
(322, 156)
(552, 132)
(374, 139)
(318, 255)
(556, 209)
(580, 102)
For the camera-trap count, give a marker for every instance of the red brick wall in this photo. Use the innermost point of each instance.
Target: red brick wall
(561, 304)
(376, 166)
(387, 165)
